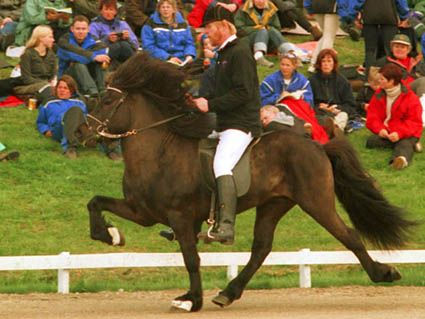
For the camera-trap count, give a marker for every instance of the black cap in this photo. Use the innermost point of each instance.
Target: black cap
(217, 13)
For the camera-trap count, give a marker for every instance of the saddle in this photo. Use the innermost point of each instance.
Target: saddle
(241, 172)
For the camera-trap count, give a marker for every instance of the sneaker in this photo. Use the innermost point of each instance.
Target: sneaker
(11, 156)
(71, 153)
(418, 147)
(264, 62)
(316, 33)
(399, 163)
(114, 156)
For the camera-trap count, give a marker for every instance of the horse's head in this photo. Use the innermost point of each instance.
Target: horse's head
(111, 116)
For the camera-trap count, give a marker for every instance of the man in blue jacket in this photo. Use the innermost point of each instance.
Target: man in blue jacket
(81, 56)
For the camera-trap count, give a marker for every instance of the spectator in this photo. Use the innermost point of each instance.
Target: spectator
(7, 32)
(290, 89)
(35, 14)
(380, 20)
(258, 20)
(38, 65)
(394, 117)
(210, 54)
(137, 13)
(81, 56)
(399, 55)
(167, 36)
(332, 92)
(196, 15)
(87, 8)
(327, 15)
(367, 91)
(115, 33)
(60, 118)
(289, 14)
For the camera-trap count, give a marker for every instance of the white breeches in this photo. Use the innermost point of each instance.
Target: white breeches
(230, 148)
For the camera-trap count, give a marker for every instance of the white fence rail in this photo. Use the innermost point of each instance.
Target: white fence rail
(64, 262)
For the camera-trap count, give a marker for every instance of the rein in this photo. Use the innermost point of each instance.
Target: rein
(103, 127)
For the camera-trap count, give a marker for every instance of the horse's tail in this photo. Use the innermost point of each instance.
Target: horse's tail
(383, 224)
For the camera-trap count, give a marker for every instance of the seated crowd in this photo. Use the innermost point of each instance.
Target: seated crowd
(68, 54)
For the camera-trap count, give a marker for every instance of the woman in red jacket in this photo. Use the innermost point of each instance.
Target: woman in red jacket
(395, 116)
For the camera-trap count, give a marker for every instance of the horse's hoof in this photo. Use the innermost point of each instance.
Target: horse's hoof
(221, 300)
(185, 305)
(394, 274)
(118, 238)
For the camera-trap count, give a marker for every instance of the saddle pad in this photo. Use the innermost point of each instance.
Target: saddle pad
(241, 172)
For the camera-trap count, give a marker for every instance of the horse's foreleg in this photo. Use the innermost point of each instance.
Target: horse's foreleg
(266, 220)
(99, 228)
(349, 237)
(184, 229)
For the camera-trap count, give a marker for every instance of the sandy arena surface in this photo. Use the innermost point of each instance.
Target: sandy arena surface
(294, 303)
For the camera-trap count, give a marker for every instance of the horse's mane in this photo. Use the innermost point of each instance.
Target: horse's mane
(166, 86)
(163, 82)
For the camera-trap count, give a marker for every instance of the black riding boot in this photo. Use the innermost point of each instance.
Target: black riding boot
(227, 199)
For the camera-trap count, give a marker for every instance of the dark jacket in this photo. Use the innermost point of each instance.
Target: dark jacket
(35, 68)
(137, 12)
(236, 97)
(363, 97)
(333, 89)
(382, 11)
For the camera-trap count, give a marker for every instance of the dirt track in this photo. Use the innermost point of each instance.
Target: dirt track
(341, 303)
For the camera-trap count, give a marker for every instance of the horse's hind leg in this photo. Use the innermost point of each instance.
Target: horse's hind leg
(267, 217)
(349, 237)
(99, 228)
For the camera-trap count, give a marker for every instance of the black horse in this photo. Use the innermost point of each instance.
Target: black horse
(162, 180)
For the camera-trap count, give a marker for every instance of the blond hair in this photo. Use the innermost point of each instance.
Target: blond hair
(172, 3)
(269, 108)
(373, 76)
(291, 56)
(38, 33)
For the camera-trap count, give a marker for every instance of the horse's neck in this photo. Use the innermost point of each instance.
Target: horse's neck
(156, 144)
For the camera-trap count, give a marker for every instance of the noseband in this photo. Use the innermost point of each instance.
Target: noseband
(102, 128)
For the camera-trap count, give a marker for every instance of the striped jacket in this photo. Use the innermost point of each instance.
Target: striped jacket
(164, 41)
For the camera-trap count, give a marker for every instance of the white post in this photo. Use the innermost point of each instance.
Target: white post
(232, 271)
(63, 275)
(305, 271)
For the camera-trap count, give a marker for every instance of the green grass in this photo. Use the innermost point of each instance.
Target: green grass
(43, 211)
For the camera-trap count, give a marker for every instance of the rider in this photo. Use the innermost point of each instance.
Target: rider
(236, 101)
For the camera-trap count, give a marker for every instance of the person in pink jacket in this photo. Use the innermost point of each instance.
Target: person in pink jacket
(394, 116)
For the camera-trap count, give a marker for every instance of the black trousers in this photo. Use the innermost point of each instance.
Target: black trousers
(404, 147)
(373, 34)
(72, 120)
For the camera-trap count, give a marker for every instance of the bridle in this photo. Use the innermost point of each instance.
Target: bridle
(102, 128)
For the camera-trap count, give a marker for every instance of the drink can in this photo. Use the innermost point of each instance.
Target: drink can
(32, 104)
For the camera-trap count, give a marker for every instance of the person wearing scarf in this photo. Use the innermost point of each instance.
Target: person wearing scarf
(395, 117)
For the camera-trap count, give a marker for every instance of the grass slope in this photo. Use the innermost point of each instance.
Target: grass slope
(43, 211)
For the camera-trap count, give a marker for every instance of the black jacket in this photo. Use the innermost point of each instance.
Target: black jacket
(236, 98)
(333, 89)
(380, 12)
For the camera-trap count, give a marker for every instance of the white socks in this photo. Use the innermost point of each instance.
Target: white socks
(258, 55)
